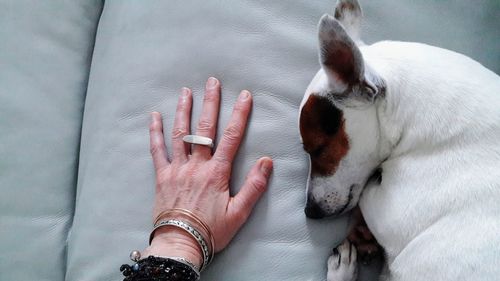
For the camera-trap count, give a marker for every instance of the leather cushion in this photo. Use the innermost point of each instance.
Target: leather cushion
(45, 55)
(146, 52)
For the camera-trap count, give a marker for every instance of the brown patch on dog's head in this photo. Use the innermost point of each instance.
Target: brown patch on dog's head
(323, 134)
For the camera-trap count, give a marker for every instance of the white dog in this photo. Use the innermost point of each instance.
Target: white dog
(429, 119)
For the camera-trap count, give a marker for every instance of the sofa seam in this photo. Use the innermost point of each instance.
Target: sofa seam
(78, 148)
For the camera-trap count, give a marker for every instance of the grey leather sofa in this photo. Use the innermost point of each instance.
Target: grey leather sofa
(78, 79)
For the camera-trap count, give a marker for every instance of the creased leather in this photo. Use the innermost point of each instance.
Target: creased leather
(144, 54)
(146, 51)
(45, 55)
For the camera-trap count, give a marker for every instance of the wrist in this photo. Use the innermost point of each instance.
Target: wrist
(174, 242)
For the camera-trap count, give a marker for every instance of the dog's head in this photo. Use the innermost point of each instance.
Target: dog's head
(338, 117)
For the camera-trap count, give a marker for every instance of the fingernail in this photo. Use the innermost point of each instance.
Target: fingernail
(211, 83)
(244, 95)
(184, 94)
(184, 91)
(266, 166)
(155, 116)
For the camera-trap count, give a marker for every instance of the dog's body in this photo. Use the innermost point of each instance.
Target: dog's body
(434, 131)
(437, 209)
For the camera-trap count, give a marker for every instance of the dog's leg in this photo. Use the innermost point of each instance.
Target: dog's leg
(359, 234)
(343, 264)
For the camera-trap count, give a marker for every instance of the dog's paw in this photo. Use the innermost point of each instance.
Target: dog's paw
(342, 264)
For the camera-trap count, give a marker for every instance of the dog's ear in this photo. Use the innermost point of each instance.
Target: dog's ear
(343, 63)
(349, 14)
(339, 56)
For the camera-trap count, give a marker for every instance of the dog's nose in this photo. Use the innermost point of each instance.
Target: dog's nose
(313, 211)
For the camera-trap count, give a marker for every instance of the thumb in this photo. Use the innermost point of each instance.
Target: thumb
(255, 185)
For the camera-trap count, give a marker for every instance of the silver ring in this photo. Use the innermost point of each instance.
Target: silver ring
(194, 139)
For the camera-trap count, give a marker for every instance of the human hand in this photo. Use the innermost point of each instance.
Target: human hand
(198, 181)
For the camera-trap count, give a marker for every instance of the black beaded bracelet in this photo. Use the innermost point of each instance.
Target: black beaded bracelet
(158, 269)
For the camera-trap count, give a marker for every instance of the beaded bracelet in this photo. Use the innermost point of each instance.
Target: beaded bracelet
(158, 269)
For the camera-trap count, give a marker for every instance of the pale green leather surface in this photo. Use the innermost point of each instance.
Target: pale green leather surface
(45, 55)
(144, 54)
(145, 51)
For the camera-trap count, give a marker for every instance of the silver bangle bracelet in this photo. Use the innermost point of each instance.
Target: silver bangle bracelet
(186, 262)
(193, 232)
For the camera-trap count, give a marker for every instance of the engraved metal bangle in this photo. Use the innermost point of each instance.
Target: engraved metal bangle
(193, 232)
(164, 215)
(186, 262)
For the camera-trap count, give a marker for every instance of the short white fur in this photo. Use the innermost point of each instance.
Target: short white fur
(436, 136)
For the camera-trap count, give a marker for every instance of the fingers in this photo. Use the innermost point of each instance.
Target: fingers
(181, 126)
(157, 142)
(255, 185)
(231, 139)
(207, 124)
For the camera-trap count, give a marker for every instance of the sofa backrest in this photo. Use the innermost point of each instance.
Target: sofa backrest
(45, 54)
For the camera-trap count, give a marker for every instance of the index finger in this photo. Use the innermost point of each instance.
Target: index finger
(157, 142)
(231, 139)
